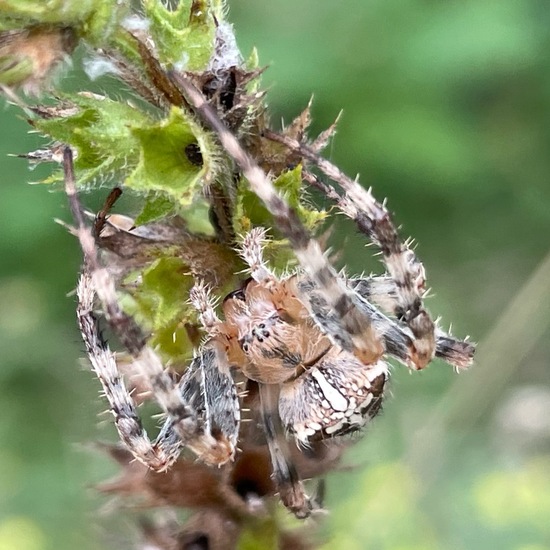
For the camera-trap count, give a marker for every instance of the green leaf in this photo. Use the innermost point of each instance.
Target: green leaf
(105, 21)
(94, 20)
(101, 132)
(251, 64)
(165, 164)
(155, 208)
(26, 12)
(161, 303)
(184, 36)
(197, 216)
(250, 210)
(163, 291)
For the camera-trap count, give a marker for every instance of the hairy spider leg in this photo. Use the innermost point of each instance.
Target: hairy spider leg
(208, 387)
(340, 319)
(383, 292)
(158, 455)
(251, 251)
(374, 220)
(187, 424)
(201, 299)
(291, 488)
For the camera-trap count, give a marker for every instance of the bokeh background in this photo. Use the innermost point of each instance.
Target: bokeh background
(447, 114)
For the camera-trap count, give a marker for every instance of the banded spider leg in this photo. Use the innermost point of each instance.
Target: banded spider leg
(188, 423)
(373, 219)
(344, 323)
(345, 319)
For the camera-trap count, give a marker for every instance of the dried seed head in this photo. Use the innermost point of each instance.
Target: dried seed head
(29, 56)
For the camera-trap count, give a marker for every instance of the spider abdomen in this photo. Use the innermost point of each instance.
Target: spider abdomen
(338, 395)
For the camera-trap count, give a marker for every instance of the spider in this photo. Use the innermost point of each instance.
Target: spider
(315, 342)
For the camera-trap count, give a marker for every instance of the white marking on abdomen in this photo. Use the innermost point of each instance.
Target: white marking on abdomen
(332, 395)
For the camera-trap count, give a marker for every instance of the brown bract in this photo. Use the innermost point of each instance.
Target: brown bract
(30, 55)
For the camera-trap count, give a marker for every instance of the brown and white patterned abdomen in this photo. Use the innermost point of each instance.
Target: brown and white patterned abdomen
(337, 396)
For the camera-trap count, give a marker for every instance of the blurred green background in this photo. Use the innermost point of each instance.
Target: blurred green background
(447, 114)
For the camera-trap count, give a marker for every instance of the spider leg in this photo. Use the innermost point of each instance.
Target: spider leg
(164, 452)
(382, 291)
(379, 290)
(186, 423)
(336, 312)
(201, 299)
(286, 477)
(373, 219)
(207, 386)
(252, 253)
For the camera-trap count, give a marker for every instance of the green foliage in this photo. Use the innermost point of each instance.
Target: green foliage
(185, 35)
(102, 132)
(156, 207)
(94, 20)
(22, 12)
(116, 140)
(160, 302)
(251, 212)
